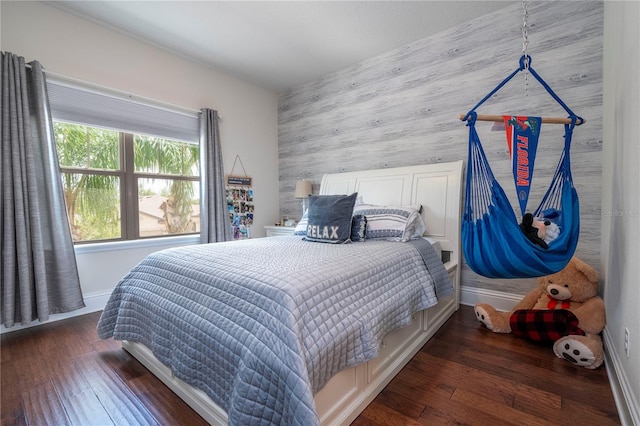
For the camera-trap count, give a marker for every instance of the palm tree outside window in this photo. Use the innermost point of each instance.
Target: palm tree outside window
(127, 186)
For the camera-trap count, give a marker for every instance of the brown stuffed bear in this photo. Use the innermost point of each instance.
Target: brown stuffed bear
(564, 309)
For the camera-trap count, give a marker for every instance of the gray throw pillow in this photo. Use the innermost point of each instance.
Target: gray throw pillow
(329, 218)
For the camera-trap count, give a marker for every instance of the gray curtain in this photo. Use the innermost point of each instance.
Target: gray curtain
(38, 268)
(214, 219)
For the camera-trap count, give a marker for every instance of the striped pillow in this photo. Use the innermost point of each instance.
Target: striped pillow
(392, 223)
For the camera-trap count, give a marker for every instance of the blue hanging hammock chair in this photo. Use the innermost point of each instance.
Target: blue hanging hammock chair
(493, 243)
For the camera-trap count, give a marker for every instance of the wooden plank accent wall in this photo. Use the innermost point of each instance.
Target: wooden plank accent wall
(401, 108)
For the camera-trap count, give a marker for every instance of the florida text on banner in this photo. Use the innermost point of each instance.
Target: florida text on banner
(522, 140)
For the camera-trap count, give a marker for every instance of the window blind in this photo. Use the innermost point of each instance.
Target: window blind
(90, 107)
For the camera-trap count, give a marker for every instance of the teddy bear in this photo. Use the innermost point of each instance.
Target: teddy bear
(564, 310)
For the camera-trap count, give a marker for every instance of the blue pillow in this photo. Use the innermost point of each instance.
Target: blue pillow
(358, 227)
(329, 218)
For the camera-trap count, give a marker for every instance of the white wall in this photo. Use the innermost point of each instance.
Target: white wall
(621, 202)
(82, 50)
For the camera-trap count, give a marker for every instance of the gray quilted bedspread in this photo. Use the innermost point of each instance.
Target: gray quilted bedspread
(261, 325)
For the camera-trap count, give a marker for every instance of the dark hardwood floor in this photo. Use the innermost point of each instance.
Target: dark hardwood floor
(62, 374)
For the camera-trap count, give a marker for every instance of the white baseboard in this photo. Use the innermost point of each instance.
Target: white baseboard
(499, 300)
(626, 401)
(93, 302)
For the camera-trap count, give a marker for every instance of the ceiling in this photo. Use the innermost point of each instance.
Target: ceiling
(279, 44)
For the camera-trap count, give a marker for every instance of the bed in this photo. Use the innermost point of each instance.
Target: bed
(297, 332)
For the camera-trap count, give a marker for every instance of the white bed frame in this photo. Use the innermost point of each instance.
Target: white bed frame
(437, 187)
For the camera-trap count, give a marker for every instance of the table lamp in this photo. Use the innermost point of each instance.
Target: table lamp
(303, 189)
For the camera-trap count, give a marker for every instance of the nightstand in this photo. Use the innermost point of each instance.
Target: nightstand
(279, 231)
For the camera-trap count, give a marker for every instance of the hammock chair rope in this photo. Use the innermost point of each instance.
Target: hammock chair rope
(493, 244)
(525, 65)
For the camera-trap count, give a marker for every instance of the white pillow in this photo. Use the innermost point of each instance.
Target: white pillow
(301, 227)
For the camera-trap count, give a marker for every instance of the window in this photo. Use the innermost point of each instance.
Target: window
(140, 180)
(126, 186)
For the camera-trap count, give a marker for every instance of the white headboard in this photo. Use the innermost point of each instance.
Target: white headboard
(437, 187)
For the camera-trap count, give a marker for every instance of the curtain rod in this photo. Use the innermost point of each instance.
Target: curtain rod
(549, 120)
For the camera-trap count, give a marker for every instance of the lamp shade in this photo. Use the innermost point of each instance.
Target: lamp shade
(303, 189)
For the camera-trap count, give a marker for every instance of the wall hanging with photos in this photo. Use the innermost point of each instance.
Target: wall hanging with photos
(240, 202)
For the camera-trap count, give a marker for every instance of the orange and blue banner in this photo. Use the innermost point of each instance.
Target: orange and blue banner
(522, 140)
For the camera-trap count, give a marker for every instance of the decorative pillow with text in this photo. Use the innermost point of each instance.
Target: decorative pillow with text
(358, 227)
(329, 218)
